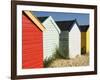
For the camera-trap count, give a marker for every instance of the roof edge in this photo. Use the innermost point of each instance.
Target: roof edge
(35, 20)
(55, 25)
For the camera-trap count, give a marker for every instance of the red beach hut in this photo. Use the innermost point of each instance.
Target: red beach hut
(32, 41)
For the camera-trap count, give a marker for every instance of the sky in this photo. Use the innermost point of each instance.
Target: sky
(82, 18)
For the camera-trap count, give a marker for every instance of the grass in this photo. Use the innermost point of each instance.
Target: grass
(82, 60)
(48, 61)
(58, 60)
(56, 55)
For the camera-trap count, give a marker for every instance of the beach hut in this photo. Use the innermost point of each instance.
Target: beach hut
(70, 38)
(32, 41)
(50, 36)
(84, 39)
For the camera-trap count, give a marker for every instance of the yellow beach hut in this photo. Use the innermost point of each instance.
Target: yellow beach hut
(84, 39)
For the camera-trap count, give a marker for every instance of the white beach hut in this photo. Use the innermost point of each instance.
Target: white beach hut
(50, 36)
(70, 38)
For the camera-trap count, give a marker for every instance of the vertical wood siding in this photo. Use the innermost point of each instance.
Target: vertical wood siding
(63, 45)
(87, 42)
(74, 42)
(50, 38)
(32, 47)
(83, 42)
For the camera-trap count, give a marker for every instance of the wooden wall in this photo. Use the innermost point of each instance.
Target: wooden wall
(87, 42)
(63, 45)
(83, 42)
(50, 38)
(74, 42)
(32, 44)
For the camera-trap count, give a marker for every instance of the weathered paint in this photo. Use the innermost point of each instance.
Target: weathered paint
(50, 37)
(74, 41)
(32, 44)
(63, 44)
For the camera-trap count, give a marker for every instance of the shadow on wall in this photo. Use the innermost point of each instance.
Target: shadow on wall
(63, 45)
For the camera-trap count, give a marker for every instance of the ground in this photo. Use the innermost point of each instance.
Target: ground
(82, 60)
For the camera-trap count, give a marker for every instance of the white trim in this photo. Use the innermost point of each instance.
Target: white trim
(21, 71)
(35, 20)
(55, 25)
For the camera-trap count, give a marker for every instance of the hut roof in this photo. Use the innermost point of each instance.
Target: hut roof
(42, 19)
(65, 25)
(84, 28)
